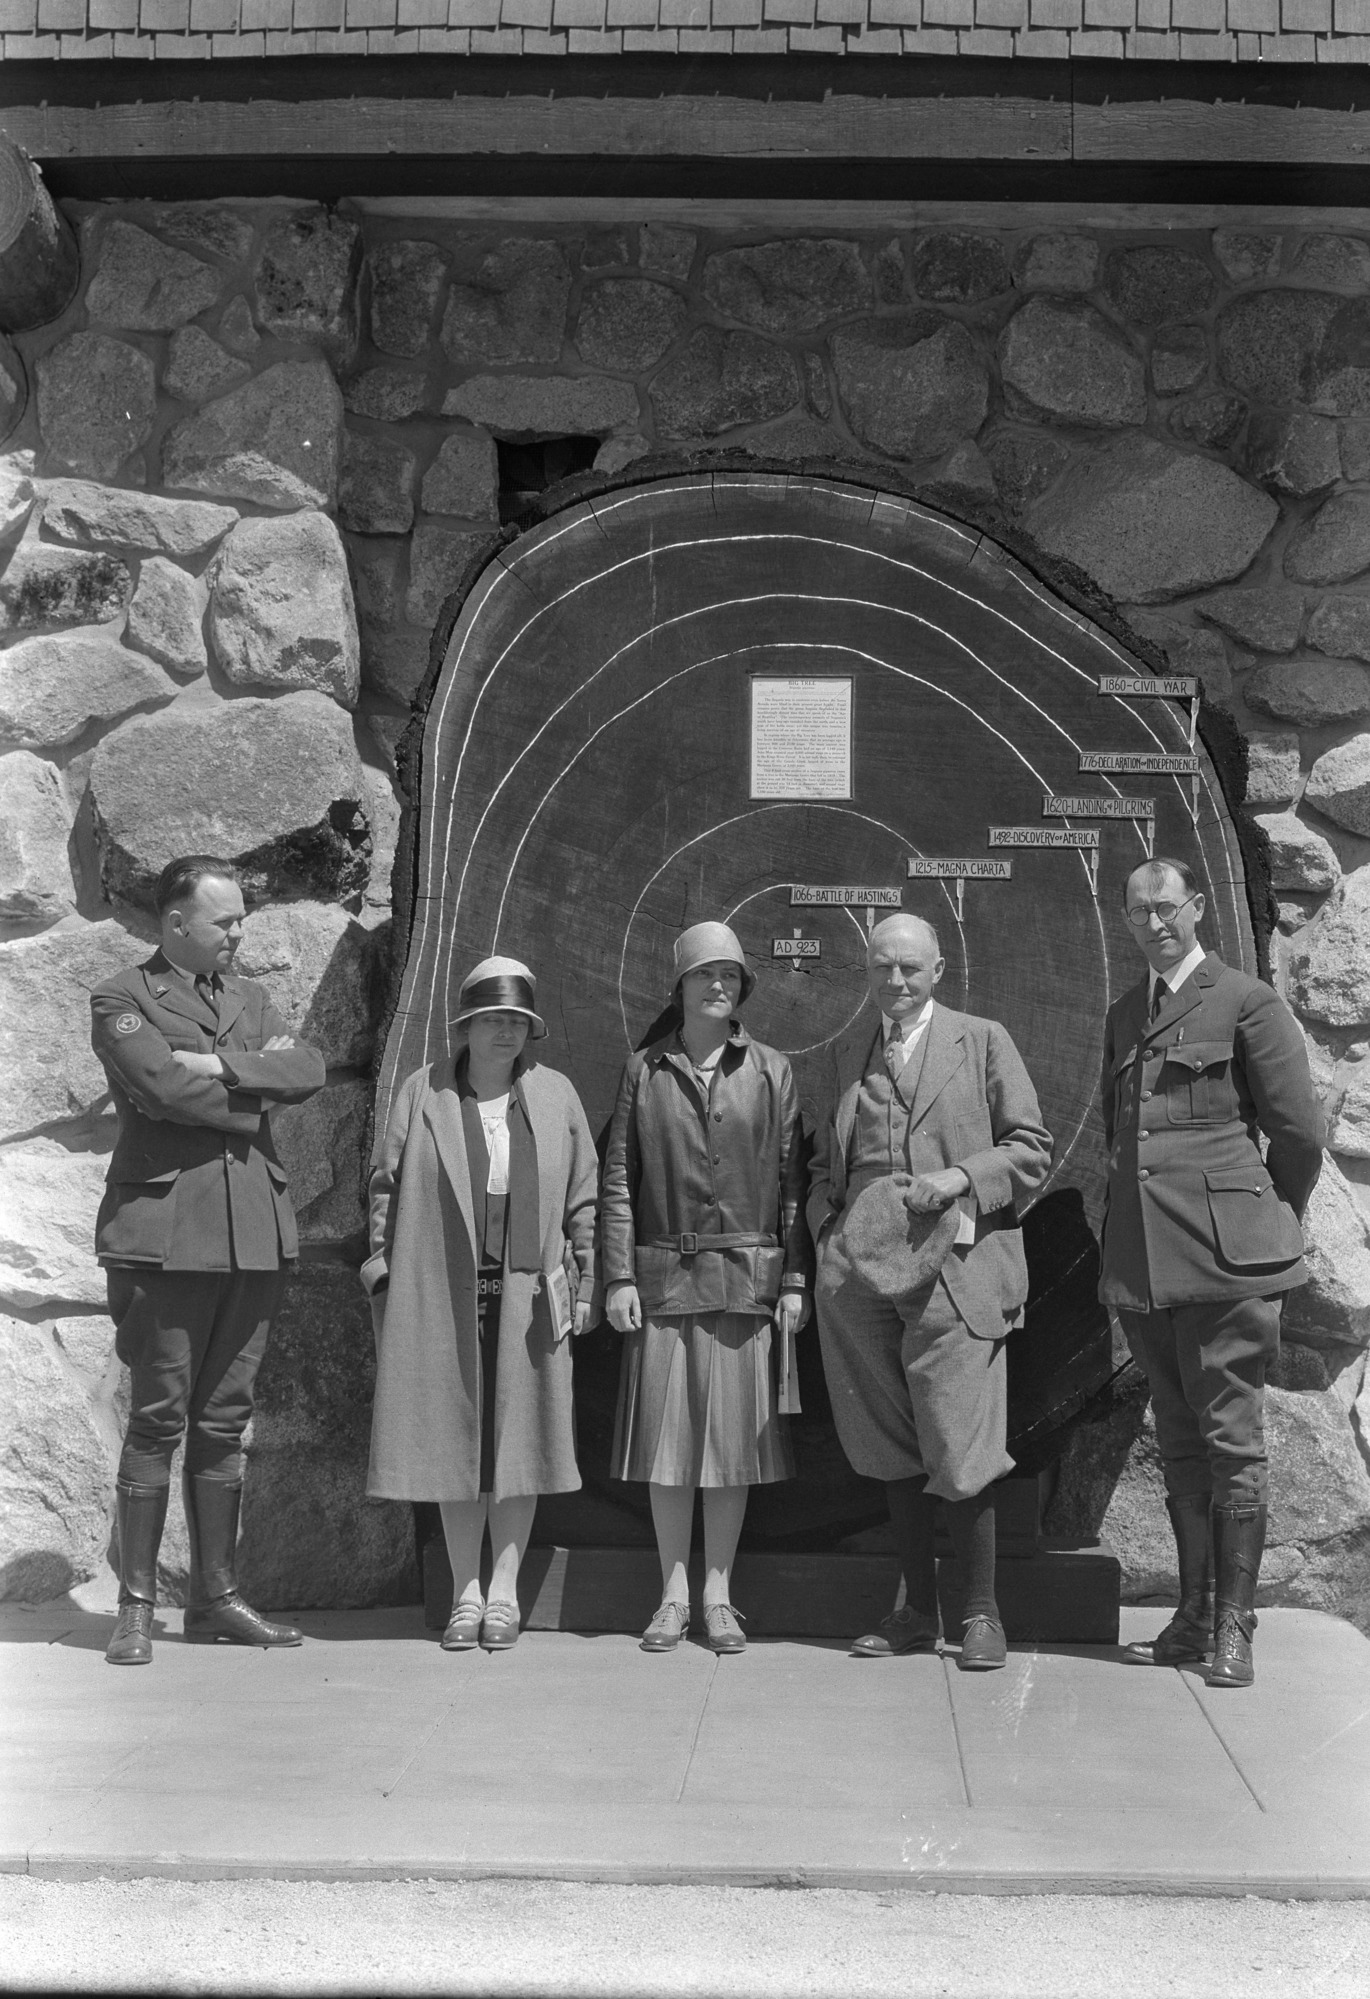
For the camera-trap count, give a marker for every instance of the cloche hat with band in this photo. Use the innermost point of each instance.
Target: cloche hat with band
(710, 944)
(500, 985)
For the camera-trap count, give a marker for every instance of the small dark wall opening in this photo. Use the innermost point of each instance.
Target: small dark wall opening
(527, 470)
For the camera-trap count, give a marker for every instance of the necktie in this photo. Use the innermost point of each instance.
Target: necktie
(895, 1055)
(207, 986)
(1159, 994)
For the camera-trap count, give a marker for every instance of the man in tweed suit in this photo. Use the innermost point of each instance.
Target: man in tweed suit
(194, 1231)
(1202, 1239)
(918, 1389)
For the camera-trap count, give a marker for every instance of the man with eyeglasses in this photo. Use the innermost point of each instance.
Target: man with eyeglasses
(1201, 1241)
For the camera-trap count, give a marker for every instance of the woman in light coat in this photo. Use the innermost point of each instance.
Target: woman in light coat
(482, 1232)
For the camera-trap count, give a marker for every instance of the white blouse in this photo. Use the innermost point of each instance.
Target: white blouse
(494, 1117)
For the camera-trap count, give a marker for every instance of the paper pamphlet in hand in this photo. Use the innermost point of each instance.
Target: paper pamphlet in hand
(559, 1298)
(787, 1375)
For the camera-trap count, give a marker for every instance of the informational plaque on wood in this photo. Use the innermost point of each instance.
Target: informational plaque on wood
(801, 737)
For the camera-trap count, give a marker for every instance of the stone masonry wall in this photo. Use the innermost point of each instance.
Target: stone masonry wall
(258, 453)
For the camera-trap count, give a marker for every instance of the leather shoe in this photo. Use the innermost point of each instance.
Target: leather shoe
(721, 1628)
(984, 1646)
(905, 1630)
(463, 1627)
(499, 1628)
(1181, 1643)
(1232, 1663)
(131, 1642)
(667, 1628)
(229, 1617)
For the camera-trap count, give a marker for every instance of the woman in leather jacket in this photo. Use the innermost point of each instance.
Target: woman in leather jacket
(707, 1270)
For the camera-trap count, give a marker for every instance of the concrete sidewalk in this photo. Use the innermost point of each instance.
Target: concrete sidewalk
(371, 1754)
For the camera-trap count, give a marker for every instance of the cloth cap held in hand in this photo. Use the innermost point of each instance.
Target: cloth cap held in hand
(893, 1251)
(500, 985)
(710, 944)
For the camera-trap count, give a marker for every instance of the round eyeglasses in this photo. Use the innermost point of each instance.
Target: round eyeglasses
(1164, 912)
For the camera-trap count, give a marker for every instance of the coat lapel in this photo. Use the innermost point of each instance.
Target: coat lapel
(1177, 1005)
(175, 993)
(442, 1115)
(232, 1000)
(852, 1054)
(547, 1133)
(943, 1054)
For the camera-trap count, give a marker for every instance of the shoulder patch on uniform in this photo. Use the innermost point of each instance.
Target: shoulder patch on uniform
(128, 1023)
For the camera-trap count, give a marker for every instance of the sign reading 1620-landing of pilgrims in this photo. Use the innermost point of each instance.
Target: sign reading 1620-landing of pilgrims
(801, 738)
(795, 705)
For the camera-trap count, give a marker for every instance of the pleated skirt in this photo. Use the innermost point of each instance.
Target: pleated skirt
(697, 1403)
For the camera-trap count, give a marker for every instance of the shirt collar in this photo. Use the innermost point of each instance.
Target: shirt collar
(907, 1028)
(1177, 974)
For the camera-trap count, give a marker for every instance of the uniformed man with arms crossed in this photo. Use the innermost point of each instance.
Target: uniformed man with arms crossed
(936, 1105)
(1201, 1241)
(194, 1231)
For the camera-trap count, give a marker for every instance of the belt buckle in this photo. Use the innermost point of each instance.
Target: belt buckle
(689, 1243)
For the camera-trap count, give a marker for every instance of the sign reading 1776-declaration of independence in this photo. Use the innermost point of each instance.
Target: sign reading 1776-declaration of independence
(801, 737)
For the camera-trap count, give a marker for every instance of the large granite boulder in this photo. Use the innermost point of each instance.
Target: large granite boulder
(507, 303)
(75, 510)
(35, 826)
(48, 1077)
(788, 287)
(198, 367)
(1308, 691)
(1272, 768)
(54, 1469)
(166, 617)
(1300, 858)
(439, 561)
(628, 323)
(1057, 262)
(1155, 283)
(277, 440)
(532, 406)
(1062, 360)
(42, 586)
(209, 226)
(1340, 375)
(280, 607)
(719, 381)
(54, 687)
(319, 965)
(145, 285)
(1341, 626)
(274, 784)
(322, 1145)
(387, 394)
(406, 283)
(1339, 786)
(1342, 261)
(376, 485)
(1329, 961)
(306, 281)
(1335, 545)
(1268, 343)
(464, 478)
(912, 385)
(48, 1202)
(1149, 523)
(1269, 620)
(310, 1536)
(96, 401)
(1332, 1310)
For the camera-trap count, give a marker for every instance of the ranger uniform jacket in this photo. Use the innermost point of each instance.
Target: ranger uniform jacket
(1194, 1213)
(194, 1182)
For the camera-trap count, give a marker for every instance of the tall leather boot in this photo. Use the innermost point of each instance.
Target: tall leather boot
(1190, 1631)
(215, 1609)
(1238, 1543)
(141, 1513)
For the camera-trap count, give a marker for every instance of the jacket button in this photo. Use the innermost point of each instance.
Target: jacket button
(1143, 1134)
(718, 1117)
(1146, 1096)
(717, 1157)
(1143, 1174)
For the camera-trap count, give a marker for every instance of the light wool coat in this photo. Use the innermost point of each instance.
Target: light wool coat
(425, 1427)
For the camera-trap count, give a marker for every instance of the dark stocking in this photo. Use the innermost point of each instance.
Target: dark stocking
(971, 1522)
(912, 1516)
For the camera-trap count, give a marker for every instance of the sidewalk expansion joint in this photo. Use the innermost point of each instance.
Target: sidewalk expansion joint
(699, 1724)
(389, 1790)
(1188, 1679)
(956, 1733)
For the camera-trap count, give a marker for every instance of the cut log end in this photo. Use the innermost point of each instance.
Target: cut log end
(40, 262)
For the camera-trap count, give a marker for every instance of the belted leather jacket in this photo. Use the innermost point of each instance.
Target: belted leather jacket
(703, 1192)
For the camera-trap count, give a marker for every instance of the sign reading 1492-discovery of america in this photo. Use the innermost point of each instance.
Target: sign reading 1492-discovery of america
(795, 704)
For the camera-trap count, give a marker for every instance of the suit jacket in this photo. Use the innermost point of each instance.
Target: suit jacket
(194, 1182)
(973, 1107)
(1194, 1213)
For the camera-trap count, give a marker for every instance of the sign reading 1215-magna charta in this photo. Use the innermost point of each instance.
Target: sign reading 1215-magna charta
(642, 721)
